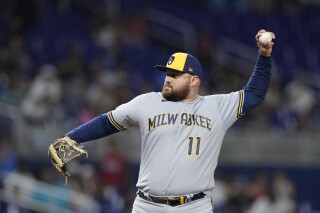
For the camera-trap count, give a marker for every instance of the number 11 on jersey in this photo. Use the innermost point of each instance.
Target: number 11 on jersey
(194, 143)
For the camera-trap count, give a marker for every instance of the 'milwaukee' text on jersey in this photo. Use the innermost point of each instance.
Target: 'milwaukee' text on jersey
(184, 119)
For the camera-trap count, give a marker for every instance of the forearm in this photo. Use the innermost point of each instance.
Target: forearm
(257, 86)
(96, 128)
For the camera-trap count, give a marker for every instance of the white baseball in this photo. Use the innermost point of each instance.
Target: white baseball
(265, 38)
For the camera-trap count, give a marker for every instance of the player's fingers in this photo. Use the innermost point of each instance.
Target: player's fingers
(257, 36)
(273, 35)
(265, 48)
(269, 45)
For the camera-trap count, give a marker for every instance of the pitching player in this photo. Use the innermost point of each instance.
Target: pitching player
(181, 132)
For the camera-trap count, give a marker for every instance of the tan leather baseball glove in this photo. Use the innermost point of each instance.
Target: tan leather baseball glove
(63, 150)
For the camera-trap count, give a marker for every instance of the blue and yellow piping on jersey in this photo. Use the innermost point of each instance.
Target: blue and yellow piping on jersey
(241, 98)
(114, 123)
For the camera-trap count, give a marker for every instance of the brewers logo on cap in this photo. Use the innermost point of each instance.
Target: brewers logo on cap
(171, 59)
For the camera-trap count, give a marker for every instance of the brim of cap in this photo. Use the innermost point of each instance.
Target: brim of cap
(165, 69)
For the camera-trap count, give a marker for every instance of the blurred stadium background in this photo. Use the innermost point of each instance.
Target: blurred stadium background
(62, 62)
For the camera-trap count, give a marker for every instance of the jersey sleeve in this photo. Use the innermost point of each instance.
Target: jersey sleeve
(126, 115)
(230, 107)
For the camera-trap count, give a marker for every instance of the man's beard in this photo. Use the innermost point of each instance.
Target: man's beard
(175, 95)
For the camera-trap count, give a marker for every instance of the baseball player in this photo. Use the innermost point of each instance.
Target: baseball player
(181, 132)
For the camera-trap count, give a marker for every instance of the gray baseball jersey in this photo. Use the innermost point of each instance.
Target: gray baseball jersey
(181, 141)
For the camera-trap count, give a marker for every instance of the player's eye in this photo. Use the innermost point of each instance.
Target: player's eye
(172, 75)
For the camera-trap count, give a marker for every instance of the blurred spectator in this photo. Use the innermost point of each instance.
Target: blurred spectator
(315, 118)
(14, 64)
(138, 29)
(72, 64)
(269, 203)
(238, 199)
(14, 59)
(23, 168)
(273, 98)
(276, 197)
(43, 96)
(90, 180)
(301, 100)
(206, 51)
(283, 118)
(8, 157)
(46, 175)
(221, 191)
(283, 186)
(108, 90)
(114, 168)
(258, 186)
(114, 177)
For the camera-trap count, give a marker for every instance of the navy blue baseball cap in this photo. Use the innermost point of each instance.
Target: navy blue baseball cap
(182, 62)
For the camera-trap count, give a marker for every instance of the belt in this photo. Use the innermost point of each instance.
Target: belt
(172, 201)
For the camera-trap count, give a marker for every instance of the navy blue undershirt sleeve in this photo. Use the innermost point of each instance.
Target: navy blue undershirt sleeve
(96, 128)
(257, 86)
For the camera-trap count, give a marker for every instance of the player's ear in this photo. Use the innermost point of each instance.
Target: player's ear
(195, 80)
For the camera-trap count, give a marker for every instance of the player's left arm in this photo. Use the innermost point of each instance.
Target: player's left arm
(123, 117)
(257, 86)
(98, 127)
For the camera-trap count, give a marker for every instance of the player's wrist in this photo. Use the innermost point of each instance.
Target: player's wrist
(264, 54)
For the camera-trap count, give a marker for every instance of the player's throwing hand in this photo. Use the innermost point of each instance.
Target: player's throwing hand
(265, 50)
